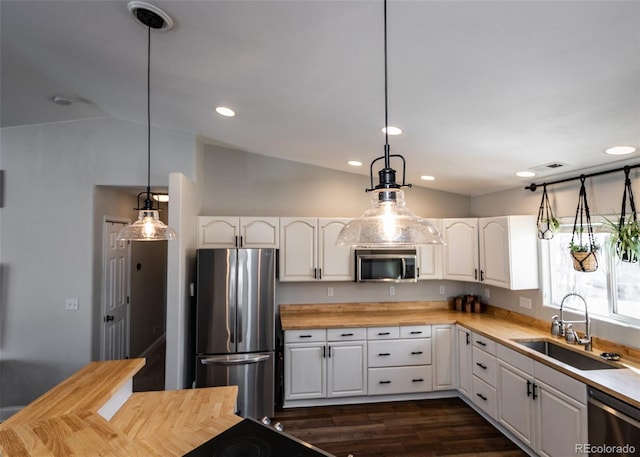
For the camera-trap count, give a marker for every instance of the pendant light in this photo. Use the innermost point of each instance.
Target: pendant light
(388, 222)
(148, 227)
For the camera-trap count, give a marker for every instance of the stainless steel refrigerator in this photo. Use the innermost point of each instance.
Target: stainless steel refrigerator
(235, 318)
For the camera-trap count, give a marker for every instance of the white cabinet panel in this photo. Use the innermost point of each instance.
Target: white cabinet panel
(460, 255)
(305, 369)
(347, 369)
(400, 380)
(443, 357)
(465, 361)
(238, 232)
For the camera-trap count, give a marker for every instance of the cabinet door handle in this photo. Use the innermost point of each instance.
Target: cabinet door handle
(468, 335)
(475, 274)
(315, 273)
(484, 367)
(418, 271)
(237, 241)
(535, 393)
(319, 273)
(481, 275)
(416, 353)
(416, 332)
(529, 388)
(385, 382)
(481, 343)
(417, 380)
(383, 354)
(347, 334)
(383, 333)
(324, 352)
(329, 351)
(305, 336)
(482, 396)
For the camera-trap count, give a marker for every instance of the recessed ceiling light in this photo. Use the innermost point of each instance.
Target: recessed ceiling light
(61, 100)
(355, 163)
(224, 111)
(620, 150)
(428, 178)
(525, 174)
(392, 130)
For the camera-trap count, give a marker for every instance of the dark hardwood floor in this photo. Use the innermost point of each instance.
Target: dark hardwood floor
(442, 427)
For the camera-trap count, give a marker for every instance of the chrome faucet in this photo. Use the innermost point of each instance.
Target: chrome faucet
(566, 327)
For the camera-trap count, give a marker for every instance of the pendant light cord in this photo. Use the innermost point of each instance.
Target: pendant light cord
(148, 202)
(386, 95)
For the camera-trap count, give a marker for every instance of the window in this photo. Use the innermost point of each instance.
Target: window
(612, 291)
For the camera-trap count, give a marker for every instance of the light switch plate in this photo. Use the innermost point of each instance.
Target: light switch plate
(71, 304)
(525, 302)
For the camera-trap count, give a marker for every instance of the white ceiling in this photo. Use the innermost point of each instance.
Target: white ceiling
(481, 88)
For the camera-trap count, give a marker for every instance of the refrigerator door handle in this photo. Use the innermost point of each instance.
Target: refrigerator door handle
(239, 359)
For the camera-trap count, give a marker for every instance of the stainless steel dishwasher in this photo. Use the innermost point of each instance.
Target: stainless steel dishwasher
(614, 426)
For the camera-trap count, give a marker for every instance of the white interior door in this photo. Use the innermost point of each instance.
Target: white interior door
(115, 297)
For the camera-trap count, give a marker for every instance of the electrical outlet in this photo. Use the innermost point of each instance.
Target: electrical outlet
(329, 291)
(71, 304)
(525, 302)
(392, 290)
(487, 293)
(442, 292)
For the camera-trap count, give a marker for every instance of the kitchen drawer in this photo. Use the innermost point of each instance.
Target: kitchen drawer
(415, 331)
(485, 366)
(400, 380)
(383, 333)
(416, 351)
(305, 336)
(346, 334)
(484, 396)
(484, 343)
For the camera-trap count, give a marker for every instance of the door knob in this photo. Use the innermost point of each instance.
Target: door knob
(109, 318)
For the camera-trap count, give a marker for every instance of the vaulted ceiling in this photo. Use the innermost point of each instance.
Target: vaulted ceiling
(481, 89)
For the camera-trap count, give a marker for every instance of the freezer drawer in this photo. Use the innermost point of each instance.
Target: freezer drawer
(252, 373)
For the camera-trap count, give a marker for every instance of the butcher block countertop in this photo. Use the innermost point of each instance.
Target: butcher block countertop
(69, 420)
(503, 326)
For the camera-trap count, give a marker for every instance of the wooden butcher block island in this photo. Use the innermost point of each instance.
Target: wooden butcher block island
(95, 413)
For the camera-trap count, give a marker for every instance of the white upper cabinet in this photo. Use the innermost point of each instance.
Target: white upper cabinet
(509, 252)
(460, 258)
(308, 251)
(237, 232)
(499, 251)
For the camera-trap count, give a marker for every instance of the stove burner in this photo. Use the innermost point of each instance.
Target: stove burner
(248, 446)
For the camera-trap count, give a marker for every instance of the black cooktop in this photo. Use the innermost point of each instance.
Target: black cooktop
(250, 438)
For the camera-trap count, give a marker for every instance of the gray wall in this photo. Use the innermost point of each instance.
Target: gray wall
(48, 240)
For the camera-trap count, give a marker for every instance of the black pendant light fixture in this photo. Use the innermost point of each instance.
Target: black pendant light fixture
(388, 222)
(148, 227)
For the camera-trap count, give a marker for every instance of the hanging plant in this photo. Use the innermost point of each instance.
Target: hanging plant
(624, 240)
(547, 223)
(583, 247)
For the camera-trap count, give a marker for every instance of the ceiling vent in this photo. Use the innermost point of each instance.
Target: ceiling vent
(549, 167)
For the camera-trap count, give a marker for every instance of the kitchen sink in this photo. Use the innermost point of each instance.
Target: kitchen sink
(570, 357)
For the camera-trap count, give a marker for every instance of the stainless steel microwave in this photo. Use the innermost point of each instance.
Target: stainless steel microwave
(386, 265)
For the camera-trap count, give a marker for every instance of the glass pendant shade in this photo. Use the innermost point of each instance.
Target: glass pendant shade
(148, 227)
(388, 223)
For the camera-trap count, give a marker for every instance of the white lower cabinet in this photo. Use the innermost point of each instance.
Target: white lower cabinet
(543, 408)
(443, 337)
(323, 363)
(465, 361)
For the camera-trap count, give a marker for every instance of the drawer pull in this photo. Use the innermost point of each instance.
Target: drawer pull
(482, 396)
(481, 343)
(416, 353)
(347, 334)
(383, 333)
(305, 336)
(417, 380)
(529, 383)
(384, 354)
(484, 367)
(385, 382)
(415, 332)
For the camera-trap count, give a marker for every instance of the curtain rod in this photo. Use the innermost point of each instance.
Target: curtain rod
(532, 187)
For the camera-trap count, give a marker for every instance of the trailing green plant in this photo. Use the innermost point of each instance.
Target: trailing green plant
(624, 240)
(588, 247)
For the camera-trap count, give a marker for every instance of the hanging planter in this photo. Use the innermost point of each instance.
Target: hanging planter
(547, 223)
(583, 247)
(624, 240)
